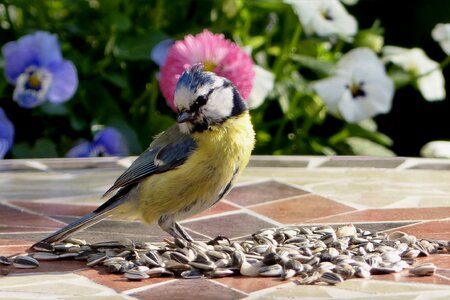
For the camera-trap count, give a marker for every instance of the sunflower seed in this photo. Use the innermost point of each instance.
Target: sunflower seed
(25, 262)
(427, 269)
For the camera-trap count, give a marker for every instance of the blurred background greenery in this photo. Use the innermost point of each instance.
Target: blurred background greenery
(110, 43)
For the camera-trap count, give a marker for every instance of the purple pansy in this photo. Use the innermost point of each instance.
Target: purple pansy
(107, 142)
(34, 64)
(6, 134)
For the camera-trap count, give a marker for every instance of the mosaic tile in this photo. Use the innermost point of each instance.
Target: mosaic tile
(405, 214)
(118, 282)
(262, 192)
(233, 225)
(277, 162)
(57, 286)
(180, 289)
(429, 230)
(11, 216)
(55, 209)
(218, 208)
(250, 284)
(363, 162)
(301, 209)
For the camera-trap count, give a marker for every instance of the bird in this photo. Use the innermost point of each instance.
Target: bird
(188, 167)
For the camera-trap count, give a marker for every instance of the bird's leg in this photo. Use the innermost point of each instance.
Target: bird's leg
(169, 225)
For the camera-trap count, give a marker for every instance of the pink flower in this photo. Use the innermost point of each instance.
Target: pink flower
(216, 53)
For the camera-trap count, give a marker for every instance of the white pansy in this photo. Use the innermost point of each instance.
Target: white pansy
(430, 80)
(324, 17)
(436, 149)
(441, 34)
(360, 88)
(263, 83)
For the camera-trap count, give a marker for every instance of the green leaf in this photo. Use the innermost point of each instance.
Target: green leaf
(362, 146)
(320, 66)
(45, 148)
(54, 109)
(138, 47)
(128, 133)
(120, 21)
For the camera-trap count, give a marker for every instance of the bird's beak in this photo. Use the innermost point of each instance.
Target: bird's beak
(185, 116)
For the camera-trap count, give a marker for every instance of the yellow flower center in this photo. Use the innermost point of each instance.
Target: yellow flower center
(34, 82)
(209, 66)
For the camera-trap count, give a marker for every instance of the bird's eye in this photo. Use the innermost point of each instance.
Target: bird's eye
(201, 100)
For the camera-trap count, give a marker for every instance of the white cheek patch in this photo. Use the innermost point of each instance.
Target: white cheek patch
(219, 105)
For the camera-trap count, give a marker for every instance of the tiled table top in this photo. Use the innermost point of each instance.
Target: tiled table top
(377, 194)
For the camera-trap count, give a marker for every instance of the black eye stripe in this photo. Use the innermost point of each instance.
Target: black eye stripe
(200, 101)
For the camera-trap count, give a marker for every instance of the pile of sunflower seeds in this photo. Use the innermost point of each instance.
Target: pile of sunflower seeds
(319, 254)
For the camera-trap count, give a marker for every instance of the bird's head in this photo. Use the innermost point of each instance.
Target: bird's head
(204, 99)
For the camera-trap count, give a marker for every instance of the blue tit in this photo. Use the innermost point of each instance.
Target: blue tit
(187, 168)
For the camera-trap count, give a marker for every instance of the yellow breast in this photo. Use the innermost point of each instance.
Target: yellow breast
(196, 185)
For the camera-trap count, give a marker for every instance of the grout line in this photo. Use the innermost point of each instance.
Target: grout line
(227, 286)
(277, 200)
(26, 210)
(146, 287)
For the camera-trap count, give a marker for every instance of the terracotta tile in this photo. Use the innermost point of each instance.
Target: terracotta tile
(218, 208)
(189, 289)
(404, 276)
(301, 209)
(262, 192)
(55, 209)
(15, 229)
(13, 216)
(444, 273)
(395, 214)
(439, 230)
(442, 261)
(250, 284)
(14, 250)
(7, 243)
(363, 162)
(231, 226)
(118, 282)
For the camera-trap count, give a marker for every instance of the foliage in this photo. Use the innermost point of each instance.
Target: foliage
(110, 43)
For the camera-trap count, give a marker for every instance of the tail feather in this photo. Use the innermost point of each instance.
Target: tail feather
(105, 210)
(83, 222)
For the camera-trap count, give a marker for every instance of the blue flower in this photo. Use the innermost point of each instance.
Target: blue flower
(6, 134)
(34, 64)
(107, 142)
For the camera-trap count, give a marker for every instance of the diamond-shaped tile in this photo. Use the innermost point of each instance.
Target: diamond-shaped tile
(301, 209)
(262, 192)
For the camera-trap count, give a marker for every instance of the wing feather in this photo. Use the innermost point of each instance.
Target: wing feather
(169, 150)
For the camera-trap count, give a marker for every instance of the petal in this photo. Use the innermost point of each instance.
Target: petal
(27, 100)
(262, 84)
(436, 149)
(38, 49)
(360, 59)
(111, 140)
(83, 149)
(331, 90)
(6, 134)
(432, 86)
(378, 99)
(64, 81)
(48, 49)
(159, 52)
